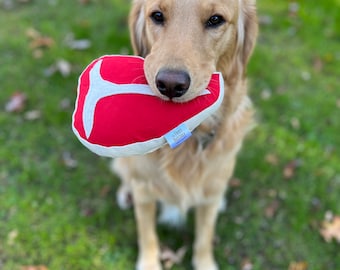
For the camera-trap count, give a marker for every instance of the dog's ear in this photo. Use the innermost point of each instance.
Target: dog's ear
(247, 29)
(137, 28)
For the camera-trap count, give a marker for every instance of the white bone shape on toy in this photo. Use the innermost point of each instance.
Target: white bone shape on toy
(100, 88)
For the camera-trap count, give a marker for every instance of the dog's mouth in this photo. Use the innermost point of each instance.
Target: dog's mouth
(176, 85)
(176, 80)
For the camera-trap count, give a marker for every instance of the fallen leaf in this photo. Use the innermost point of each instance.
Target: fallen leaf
(77, 44)
(170, 257)
(38, 42)
(265, 20)
(298, 266)
(68, 160)
(41, 42)
(295, 122)
(32, 33)
(234, 182)
(290, 169)
(338, 103)
(16, 103)
(32, 115)
(34, 267)
(246, 265)
(64, 67)
(331, 229)
(318, 64)
(272, 208)
(329, 216)
(12, 236)
(266, 94)
(293, 9)
(272, 159)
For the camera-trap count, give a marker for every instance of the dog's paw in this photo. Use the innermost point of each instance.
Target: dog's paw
(204, 264)
(142, 265)
(124, 197)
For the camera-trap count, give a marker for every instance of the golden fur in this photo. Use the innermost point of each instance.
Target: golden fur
(196, 173)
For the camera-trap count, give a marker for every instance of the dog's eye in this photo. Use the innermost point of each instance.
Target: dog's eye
(214, 21)
(157, 17)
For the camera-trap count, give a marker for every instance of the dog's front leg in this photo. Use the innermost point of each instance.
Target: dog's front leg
(145, 213)
(206, 216)
(148, 258)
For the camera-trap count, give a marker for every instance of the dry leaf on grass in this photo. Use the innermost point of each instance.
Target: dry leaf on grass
(170, 257)
(272, 208)
(331, 229)
(295, 123)
(41, 42)
(77, 44)
(246, 264)
(290, 169)
(318, 64)
(68, 160)
(265, 20)
(16, 102)
(80, 44)
(298, 266)
(62, 66)
(12, 236)
(338, 103)
(38, 42)
(293, 9)
(272, 159)
(34, 267)
(33, 115)
(235, 183)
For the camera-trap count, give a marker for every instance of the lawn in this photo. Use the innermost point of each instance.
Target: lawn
(57, 199)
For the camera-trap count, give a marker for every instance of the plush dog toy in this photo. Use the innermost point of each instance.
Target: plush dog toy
(117, 114)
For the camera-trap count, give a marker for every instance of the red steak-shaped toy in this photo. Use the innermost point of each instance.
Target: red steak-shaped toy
(117, 114)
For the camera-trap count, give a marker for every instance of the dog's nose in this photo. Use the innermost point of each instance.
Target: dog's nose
(172, 83)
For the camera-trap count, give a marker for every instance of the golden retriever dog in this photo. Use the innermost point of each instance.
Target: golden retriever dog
(184, 42)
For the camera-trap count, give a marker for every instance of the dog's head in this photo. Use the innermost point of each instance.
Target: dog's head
(185, 41)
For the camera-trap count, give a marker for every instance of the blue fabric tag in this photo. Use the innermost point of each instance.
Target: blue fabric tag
(177, 136)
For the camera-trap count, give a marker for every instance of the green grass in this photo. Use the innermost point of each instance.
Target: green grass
(67, 218)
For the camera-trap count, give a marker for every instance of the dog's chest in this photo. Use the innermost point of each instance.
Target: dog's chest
(186, 178)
